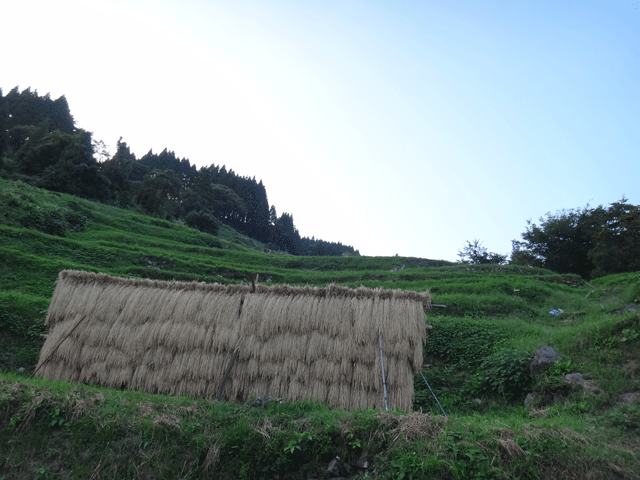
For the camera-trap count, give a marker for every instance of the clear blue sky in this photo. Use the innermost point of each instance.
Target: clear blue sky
(396, 127)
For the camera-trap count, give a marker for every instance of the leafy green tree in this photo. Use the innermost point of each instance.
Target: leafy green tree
(254, 195)
(158, 194)
(215, 199)
(475, 254)
(101, 150)
(255, 222)
(273, 215)
(202, 221)
(617, 243)
(56, 114)
(588, 241)
(118, 169)
(167, 160)
(4, 127)
(286, 236)
(37, 154)
(64, 163)
(28, 108)
(561, 242)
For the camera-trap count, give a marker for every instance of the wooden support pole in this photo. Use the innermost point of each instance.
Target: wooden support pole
(80, 318)
(228, 371)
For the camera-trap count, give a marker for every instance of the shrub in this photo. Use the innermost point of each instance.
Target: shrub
(202, 221)
(504, 373)
(462, 340)
(627, 417)
(75, 220)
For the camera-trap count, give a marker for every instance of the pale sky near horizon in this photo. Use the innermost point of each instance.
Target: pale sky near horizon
(395, 127)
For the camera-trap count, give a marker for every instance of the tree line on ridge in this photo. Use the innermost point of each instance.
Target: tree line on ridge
(40, 145)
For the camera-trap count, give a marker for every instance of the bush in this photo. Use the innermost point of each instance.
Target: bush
(202, 221)
(462, 340)
(53, 223)
(46, 221)
(504, 373)
(75, 221)
(627, 417)
(21, 323)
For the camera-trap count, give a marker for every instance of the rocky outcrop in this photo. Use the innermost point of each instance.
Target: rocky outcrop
(576, 379)
(542, 359)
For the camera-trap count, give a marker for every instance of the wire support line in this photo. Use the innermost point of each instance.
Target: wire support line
(434, 395)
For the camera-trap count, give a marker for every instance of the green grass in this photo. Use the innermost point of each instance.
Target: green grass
(494, 318)
(62, 430)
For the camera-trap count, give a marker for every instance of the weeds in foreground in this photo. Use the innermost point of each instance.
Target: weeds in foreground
(83, 430)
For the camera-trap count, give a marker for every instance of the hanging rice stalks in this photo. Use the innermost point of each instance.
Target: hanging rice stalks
(190, 338)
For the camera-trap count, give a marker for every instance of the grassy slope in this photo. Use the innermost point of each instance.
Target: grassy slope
(494, 318)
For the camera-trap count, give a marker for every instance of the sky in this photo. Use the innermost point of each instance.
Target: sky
(403, 128)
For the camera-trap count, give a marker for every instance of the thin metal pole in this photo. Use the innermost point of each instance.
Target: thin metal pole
(434, 395)
(384, 381)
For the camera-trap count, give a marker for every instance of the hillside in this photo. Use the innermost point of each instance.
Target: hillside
(493, 318)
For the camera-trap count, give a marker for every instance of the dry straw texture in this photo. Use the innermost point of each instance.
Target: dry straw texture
(200, 339)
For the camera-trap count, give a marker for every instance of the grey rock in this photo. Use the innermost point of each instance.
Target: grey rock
(531, 399)
(363, 461)
(542, 359)
(334, 466)
(604, 298)
(338, 467)
(626, 309)
(574, 379)
(264, 401)
(628, 398)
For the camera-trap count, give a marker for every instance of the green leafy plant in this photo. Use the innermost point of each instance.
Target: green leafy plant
(300, 441)
(353, 441)
(57, 418)
(42, 472)
(409, 464)
(626, 417)
(560, 368)
(629, 335)
(462, 339)
(505, 373)
(469, 460)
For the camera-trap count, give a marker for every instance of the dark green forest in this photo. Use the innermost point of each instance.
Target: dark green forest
(40, 145)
